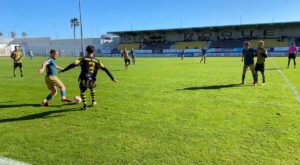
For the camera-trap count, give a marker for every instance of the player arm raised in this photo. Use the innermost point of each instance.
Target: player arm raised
(59, 68)
(102, 67)
(43, 67)
(71, 66)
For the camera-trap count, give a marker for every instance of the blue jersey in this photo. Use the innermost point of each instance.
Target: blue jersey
(203, 52)
(51, 67)
(249, 56)
(131, 54)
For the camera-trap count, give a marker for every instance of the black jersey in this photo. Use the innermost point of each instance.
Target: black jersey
(89, 68)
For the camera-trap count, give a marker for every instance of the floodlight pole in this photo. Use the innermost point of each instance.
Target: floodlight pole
(81, 33)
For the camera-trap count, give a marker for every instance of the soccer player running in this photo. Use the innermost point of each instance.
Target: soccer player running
(132, 56)
(203, 56)
(31, 55)
(87, 78)
(126, 58)
(248, 59)
(52, 81)
(293, 51)
(261, 54)
(182, 55)
(17, 56)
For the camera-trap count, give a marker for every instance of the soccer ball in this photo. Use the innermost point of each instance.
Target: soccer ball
(77, 100)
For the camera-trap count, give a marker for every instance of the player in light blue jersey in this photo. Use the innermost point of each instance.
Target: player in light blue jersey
(52, 80)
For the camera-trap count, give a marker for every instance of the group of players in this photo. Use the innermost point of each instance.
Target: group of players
(261, 53)
(126, 55)
(87, 77)
(90, 66)
(203, 56)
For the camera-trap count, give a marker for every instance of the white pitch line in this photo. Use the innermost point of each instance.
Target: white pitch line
(293, 89)
(7, 161)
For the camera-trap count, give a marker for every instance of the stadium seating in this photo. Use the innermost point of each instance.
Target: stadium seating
(227, 44)
(271, 43)
(297, 41)
(135, 46)
(190, 44)
(157, 45)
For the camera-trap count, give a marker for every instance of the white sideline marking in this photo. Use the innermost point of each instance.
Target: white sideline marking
(293, 89)
(7, 161)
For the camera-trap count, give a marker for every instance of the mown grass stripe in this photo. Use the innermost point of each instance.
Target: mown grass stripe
(7, 161)
(293, 89)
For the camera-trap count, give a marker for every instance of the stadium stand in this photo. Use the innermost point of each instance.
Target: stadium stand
(297, 41)
(271, 43)
(157, 45)
(135, 46)
(231, 43)
(190, 45)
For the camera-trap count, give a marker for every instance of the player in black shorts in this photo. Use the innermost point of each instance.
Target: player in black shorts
(261, 54)
(182, 54)
(125, 55)
(248, 59)
(17, 56)
(203, 56)
(293, 51)
(87, 78)
(132, 56)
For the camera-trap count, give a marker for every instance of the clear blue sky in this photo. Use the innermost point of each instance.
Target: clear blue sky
(51, 18)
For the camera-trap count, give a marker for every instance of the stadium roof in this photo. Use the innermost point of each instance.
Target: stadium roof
(280, 24)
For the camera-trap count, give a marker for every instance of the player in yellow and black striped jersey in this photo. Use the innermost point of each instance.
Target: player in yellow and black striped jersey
(261, 54)
(87, 78)
(125, 55)
(17, 56)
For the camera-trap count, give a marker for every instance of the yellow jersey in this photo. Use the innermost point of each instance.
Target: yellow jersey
(125, 55)
(17, 56)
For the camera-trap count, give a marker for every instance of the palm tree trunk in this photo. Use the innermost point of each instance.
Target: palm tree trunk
(74, 32)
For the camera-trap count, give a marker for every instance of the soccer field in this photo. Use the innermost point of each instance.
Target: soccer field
(162, 111)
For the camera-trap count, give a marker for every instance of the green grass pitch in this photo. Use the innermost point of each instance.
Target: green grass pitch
(163, 111)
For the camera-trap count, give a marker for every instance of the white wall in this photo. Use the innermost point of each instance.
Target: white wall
(66, 47)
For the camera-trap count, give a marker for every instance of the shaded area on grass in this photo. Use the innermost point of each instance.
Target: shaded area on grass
(275, 68)
(19, 105)
(41, 115)
(212, 87)
(32, 105)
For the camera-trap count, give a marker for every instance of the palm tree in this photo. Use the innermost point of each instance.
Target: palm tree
(1, 34)
(24, 34)
(74, 23)
(13, 34)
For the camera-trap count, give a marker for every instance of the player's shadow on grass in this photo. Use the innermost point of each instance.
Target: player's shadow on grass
(212, 87)
(275, 68)
(31, 105)
(42, 115)
(19, 105)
